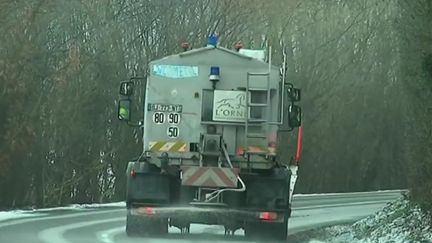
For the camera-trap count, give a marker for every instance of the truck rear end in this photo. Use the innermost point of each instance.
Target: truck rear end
(211, 120)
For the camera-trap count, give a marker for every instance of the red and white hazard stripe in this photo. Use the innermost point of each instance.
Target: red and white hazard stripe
(209, 176)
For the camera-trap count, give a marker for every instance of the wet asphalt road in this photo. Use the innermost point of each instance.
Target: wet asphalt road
(107, 225)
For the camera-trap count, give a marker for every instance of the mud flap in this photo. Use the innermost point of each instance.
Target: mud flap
(146, 185)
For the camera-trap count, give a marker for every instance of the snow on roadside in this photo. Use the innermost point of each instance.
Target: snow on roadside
(16, 214)
(84, 206)
(399, 221)
(348, 193)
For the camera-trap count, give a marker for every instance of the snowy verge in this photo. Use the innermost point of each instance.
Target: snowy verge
(400, 221)
(16, 214)
(84, 206)
(350, 193)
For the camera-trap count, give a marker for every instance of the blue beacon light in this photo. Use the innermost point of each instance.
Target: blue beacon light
(212, 40)
(214, 75)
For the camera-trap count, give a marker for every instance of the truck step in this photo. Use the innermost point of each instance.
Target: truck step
(256, 152)
(256, 135)
(257, 120)
(258, 89)
(258, 74)
(211, 153)
(258, 104)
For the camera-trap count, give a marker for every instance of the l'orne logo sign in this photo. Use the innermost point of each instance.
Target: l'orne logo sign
(229, 105)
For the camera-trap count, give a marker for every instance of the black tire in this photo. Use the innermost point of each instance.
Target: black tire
(267, 231)
(142, 226)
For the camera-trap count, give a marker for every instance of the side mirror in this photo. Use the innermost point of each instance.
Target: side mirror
(294, 115)
(126, 88)
(123, 111)
(294, 94)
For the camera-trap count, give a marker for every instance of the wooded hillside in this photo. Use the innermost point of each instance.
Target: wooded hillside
(365, 68)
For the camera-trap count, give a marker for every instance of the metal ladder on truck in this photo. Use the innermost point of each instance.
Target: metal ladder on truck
(264, 106)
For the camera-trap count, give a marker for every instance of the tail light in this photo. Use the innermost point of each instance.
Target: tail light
(148, 210)
(267, 216)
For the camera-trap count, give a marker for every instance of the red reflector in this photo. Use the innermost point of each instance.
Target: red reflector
(184, 45)
(133, 173)
(267, 216)
(149, 211)
(238, 45)
(299, 144)
(240, 151)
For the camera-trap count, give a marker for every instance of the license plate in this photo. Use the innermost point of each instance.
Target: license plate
(165, 108)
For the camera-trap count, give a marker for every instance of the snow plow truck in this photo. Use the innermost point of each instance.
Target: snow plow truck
(210, 127)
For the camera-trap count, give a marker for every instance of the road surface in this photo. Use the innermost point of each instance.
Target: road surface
(107, 225)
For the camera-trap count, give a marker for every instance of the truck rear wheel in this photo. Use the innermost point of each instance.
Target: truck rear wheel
(142, 226)
(267, 231)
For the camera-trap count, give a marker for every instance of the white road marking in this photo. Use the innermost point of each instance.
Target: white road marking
(107, 236)
(55, 235)
(29, 220)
